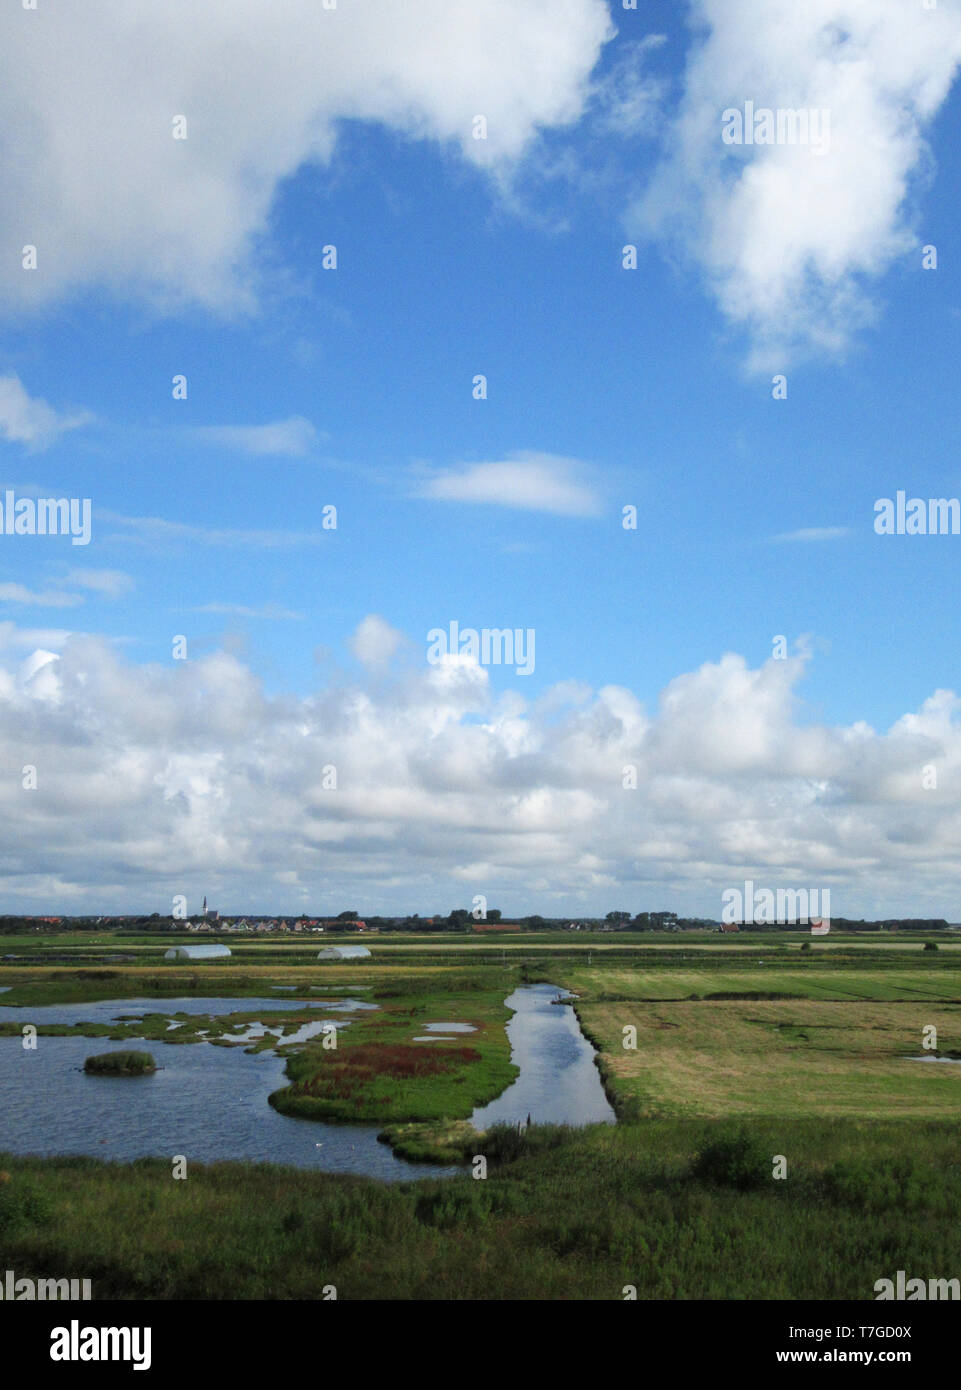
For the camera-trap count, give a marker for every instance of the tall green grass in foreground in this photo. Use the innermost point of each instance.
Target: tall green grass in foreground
(679, 1209)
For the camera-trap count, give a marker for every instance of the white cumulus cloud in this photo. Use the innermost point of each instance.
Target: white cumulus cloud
(375, 642)
(28, 420)
(292, 437)
(109, 583)
(19, 593)
(189, 777)
(95, 179)
(788, 239)
(815, 533)
(526, 480)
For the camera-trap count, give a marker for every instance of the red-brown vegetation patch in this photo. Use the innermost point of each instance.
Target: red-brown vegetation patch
(354, 1067)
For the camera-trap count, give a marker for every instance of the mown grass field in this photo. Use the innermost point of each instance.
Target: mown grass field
(781, 1058)
(827, 1038)
(825, 978)
(799, 1057)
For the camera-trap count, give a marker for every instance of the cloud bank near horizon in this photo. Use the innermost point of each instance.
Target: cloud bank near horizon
(189, 778)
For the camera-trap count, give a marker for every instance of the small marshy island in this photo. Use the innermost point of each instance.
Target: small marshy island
(120, 1064)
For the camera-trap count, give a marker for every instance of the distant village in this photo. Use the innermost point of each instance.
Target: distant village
(210, 921)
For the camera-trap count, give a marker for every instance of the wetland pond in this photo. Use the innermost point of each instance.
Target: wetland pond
(209, 1103)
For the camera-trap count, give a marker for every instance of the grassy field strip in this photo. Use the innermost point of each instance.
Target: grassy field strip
(797, 1058)
(786, 942)
(850, 983)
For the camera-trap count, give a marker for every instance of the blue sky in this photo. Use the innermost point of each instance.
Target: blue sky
(606, 387)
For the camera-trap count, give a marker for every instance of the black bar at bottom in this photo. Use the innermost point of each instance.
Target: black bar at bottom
(303, 1337)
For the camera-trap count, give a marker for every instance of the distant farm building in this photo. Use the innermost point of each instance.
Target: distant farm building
(206, 951)
(342, 953)
(730, 926)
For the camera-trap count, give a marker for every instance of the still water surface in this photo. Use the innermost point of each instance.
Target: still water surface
(559, 1083)
(210, 1103)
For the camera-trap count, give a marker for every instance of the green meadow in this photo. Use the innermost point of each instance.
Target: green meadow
(775, 1139)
